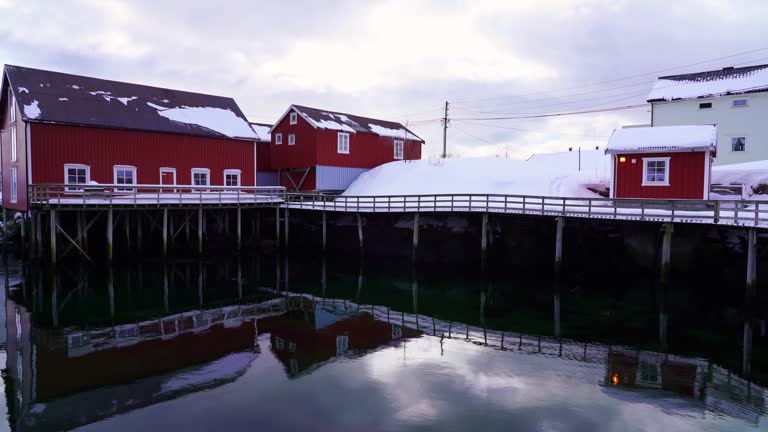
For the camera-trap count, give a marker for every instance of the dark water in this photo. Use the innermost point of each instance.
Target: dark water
(267, 343)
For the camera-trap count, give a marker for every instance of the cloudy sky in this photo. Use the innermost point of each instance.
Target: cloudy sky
(402, 59)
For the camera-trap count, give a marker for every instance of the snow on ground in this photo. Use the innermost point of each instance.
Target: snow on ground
(220, 120)
(32, 111)
(554, 174)
(749, 174)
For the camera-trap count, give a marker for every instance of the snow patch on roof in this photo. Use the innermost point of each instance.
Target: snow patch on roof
(125, 100)
(671, 89)
(329, 124)
(76, 87)
(396, 133)
(32, 111)
(262, 131)
(23, 90)
(220, 120)
(663, 139)
(63, 99)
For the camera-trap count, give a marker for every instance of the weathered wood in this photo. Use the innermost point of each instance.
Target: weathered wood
(415, 247)
(53, 236)
(110, 226)
(666, 250)
(39, 235)
(325, 231)
(747, 349)
(285, 233)
(484, 242)
(360, 233)
(277, 226)
(239, 229)
(751, 264)
(200, 229)
(165, 232)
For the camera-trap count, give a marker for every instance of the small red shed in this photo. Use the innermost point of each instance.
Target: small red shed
(669, 162)
(62, 128)
(315, 149)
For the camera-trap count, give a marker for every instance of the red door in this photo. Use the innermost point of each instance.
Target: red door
(168, 177)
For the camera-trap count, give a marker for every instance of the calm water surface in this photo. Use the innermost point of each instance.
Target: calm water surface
(264, 343)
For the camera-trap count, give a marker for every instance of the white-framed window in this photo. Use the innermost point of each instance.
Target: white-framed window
(342, 145)
(399, 149)
(656, 171)
(291, 139)
(124, 175)
(14, 145)
(201, 177)
(76, 174)
(278, 139)
(14, 184)
(232, 177)
(11, 106)
(294, 118)
(739, 143)
(738, 103)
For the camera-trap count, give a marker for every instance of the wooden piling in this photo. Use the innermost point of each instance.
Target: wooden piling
(239, 228)
(39, 235)
(285, 234)
(666, 250)
(138, 231)
(325, 231)
(23, 231)
(415, 247)
(484, 242)
(747, 349)
(165, 232)
(53, 236)
(751, 264)
(110, 226)
(277, 226)
(200, 230)
(360, 233)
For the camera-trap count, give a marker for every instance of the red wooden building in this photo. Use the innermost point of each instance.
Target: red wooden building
(670, 162)
(62, 128)
(314, 149)
(265, 175)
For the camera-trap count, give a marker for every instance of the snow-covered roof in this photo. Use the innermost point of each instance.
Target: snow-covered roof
(324, 119)
(72, 99)
(663, 139)
(711, 83)
(262, 131)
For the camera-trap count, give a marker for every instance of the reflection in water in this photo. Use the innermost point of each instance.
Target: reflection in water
(189, 335)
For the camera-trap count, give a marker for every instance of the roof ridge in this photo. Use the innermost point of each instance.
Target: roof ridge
(348, 114)
(729, 69)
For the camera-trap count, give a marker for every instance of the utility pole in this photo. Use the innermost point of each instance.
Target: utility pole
(445, 131)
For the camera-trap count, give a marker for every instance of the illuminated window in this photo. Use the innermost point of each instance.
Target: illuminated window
(14, 184)
(656, 171)
(14, 145)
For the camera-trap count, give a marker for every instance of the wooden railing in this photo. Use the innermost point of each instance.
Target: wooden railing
(60, 194)
(726, 212)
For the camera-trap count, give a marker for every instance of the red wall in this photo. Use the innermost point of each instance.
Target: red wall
(319, 147)
(263, 157)
(686, 176)
(55, 145)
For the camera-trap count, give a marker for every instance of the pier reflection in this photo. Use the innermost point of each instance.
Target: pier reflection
(79, 354)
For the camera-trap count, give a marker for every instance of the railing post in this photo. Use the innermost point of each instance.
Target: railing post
(717, 212)
(757, 212)
(735, 212)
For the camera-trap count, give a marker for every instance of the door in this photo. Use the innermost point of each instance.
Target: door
(168, 177)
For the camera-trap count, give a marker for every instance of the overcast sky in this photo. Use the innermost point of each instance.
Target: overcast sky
(401, 59)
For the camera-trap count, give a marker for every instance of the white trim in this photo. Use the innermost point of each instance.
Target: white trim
(293, 118)
(14, 142)
(232, 172)
(614, 163)
(666, 171)
(338, 142)
(707, 172)
(730, 142)
(206, 171)
(14, 184)
(28, 155)
(278, 138)
(168, 170)
(255, 162)
(291, 139)
(128, 168)
(11, 106)
(292, 108)
(76, 166)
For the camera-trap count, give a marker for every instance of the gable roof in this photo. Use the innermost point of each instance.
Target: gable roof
(262, 131)
(55, 97)
(324, 119)
(663, 139)
(724, 81)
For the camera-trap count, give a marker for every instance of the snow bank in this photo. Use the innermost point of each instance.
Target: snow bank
(32, 111)
(548, 174)
(220, 120)
(749, 174)
(669, 89)
(662, 138)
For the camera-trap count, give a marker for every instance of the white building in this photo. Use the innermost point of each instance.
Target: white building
(734, 99)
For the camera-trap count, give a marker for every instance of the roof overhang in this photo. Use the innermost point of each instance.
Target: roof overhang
(662, 150)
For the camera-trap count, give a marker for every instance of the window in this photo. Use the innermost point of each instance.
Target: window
(705, 105)
(343, 143)
(124, 175)
(740, 103)
(201, 176)
(656, 171)
(76, 174)
(11, 106)
(294, 118)
(291, 139)
(398, 149)
(738, 144)
(232, 177)
(278, 139)
(14, 184)
(14, 146)
(649, 373)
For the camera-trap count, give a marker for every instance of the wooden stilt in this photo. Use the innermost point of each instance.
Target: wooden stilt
(286, 217)
(360, 233)
(127, 224)
(325, 231)
(239, 230)
(139, 217)
(415, 236)
(23, 231)
(85, 231)
(53, 236)
(751, 264)
(171, 229)
(484, 241)
(666, 249)
(166, 305)
(165, 232)
(111, 290)
(277, 226)
(200, 230)
(558, 272)
(39, 235)
(109, 233)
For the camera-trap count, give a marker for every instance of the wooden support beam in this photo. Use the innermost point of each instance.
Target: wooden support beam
(166, 305)
(360, 233)
(747, 349)
(286, 217)
(200, 230)
(277, 226)
(53, 236)
(325, 231)
(33, 233)
(165, 232)
(86, 226)
(73, 242)
(139, 217)
(239, 231)
(200, 277)
(127, 224)
(171, 229)
(415, 247)
(666, 252)
(39, 235)
(23, 231)
(751, 264)
(110, 227)
(484, 242)
(111, 289)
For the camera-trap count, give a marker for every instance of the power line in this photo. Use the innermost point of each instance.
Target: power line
(533, 130)
(473, 136)
(620, 108)
(624, 78)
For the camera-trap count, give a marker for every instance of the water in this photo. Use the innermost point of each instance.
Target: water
(339, 345)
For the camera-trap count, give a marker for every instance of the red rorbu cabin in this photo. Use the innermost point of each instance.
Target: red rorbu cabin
(669, 162)
(62, 128)
(265, 175)
(313, 149)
